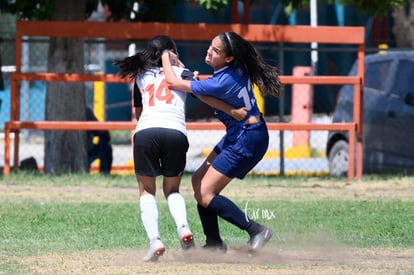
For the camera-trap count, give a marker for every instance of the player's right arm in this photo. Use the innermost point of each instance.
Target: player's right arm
(173, 81)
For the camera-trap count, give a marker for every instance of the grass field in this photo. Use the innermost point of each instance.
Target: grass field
(90, 224)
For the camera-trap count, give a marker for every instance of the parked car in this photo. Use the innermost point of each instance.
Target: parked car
(388, 117)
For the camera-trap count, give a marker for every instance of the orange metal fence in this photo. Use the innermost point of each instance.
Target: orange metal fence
(195, 32)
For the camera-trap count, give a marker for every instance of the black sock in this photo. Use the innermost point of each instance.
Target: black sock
(209, 221)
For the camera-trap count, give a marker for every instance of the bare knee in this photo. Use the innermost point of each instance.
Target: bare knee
(198, 197)
(196, 180)
(199, 174)
(203, 199)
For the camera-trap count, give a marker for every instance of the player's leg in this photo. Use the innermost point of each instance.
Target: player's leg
(178, 210)
(202, 170)
(173, 161)
(208, 195)
(149, 216)
(209, 219)
(146, 169)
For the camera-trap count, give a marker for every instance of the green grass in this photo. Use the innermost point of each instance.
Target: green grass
(355, 223)
(87, 180)
(35, 227)
(30, 226)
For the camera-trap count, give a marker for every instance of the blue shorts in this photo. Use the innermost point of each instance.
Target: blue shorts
(236, 159)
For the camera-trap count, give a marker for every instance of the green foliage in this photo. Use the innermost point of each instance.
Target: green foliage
(38, 9)
(374, 7)
(160, 10)
(297, 4)
(150, 10)
(213, 5)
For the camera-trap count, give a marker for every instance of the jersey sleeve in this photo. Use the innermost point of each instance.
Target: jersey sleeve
(207, 86)
(187, 75)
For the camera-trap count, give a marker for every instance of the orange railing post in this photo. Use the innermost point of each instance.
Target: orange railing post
(6, 167)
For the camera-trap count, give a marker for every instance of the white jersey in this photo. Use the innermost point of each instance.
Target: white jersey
(161, 106)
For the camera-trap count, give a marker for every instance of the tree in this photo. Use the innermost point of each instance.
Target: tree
(404, 25)
(66, 151)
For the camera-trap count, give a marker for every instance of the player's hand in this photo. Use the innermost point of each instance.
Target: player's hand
(239, 114)
(175, 61)
(196, 74)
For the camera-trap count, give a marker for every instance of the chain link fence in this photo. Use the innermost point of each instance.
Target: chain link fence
(290, 152)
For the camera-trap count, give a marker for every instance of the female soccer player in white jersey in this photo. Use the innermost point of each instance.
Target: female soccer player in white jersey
(160, 139)
(237, 65)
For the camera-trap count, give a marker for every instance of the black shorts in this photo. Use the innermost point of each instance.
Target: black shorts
(160, 151)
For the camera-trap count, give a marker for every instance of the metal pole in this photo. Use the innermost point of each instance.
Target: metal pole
(281, 118)
(314, 45)
(25, 84)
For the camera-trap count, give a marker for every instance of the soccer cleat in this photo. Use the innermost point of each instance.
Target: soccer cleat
(260, 239)
(220, 247)
(186, 237)
(156, 250)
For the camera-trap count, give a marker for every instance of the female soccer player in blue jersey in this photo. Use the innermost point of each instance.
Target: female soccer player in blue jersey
(160, 140)
(237, 65)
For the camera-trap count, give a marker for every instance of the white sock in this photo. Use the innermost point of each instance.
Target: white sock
(176, 204)
(149, 215)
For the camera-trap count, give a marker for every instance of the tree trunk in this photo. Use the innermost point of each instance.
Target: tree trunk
(65, 151)
(404, 25)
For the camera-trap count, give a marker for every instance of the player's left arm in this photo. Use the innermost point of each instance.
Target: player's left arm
(237, 114)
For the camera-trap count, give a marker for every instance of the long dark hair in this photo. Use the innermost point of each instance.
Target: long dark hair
(146, 59)
(265, 76)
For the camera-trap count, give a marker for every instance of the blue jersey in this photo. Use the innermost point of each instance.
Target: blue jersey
(233, 86)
